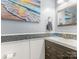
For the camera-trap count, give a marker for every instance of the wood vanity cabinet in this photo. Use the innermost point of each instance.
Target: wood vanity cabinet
(56, 51)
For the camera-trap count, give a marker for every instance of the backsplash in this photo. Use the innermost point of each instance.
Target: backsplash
(66, 36)
(10, 38)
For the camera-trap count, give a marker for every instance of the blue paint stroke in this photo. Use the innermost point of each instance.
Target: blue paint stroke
(35, 10)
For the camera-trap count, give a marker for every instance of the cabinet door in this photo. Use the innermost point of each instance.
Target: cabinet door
(37, 48)
(19, 48)
(50, 50)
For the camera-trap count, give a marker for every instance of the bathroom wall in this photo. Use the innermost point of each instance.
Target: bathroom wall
(70, 29)
(47, 9)
(11, 27)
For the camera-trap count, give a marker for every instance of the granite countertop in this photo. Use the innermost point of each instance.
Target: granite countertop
(70, 43)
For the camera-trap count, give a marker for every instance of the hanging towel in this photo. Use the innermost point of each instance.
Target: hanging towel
(49, 26)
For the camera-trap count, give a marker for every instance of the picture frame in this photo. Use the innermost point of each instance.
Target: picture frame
(21, 10)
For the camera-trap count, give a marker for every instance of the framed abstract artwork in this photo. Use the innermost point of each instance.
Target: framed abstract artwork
(67, 16)
(22, 10)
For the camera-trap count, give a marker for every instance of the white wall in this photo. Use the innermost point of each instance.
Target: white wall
(70, 29)
(47, 9)
(9, 27)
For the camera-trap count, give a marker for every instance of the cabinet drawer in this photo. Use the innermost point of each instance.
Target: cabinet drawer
(54, 46)
(50, 56)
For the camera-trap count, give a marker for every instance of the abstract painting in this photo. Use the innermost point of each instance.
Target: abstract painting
(67, 16)
(23, 10)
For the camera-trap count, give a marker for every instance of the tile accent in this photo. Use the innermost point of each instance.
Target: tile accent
(31, 36)
(67, 36)
(23, 37)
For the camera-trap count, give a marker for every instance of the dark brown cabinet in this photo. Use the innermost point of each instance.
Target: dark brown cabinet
(56, 51)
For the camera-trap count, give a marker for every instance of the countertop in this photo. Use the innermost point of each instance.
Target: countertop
(70, 43)
(36, 33)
